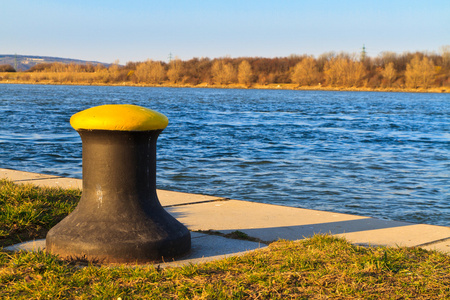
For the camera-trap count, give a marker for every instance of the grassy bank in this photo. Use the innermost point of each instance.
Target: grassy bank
(316, 268)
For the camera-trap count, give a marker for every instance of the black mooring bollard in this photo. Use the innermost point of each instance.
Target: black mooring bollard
(119, 218)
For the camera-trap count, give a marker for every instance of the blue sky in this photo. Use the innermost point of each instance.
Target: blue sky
(136, 30)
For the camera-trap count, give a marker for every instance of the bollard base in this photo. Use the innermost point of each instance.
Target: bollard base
(127, 242)
(119, 218)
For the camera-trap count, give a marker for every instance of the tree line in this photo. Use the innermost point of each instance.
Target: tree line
(388, 70)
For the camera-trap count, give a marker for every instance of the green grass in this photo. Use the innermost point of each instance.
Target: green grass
(320, 267)
(27, 212)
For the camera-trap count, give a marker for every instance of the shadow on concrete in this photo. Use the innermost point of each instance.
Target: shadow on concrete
(297, 230)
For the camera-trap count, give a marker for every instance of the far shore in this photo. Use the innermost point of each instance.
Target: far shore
(273, 86)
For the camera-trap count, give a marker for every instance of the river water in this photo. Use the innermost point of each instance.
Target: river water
(385, 155)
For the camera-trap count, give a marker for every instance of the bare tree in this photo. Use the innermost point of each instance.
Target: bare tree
(445, 54)
(223, 73)
(344, 72)
(175, 72)
(332, 71)
(245, 73)
(389, 73)
(150, 72)
(419, 72)
(306, 72)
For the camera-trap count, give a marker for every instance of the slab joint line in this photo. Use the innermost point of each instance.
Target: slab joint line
(433, 242)
(198, 202)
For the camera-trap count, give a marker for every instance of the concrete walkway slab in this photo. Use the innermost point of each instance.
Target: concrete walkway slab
(31, 246)
(409, 235)
(272, 222)
(41, 179)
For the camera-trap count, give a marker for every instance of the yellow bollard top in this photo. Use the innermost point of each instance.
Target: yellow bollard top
(120, 117)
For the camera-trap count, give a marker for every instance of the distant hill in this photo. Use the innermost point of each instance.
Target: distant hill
(24, 62)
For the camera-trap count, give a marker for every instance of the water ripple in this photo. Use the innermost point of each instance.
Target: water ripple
(384, 155)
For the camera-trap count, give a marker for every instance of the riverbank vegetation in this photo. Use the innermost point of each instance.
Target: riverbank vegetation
(315, 268)
(389, 71)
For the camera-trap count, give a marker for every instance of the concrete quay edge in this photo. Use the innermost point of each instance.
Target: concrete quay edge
(264, 222)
